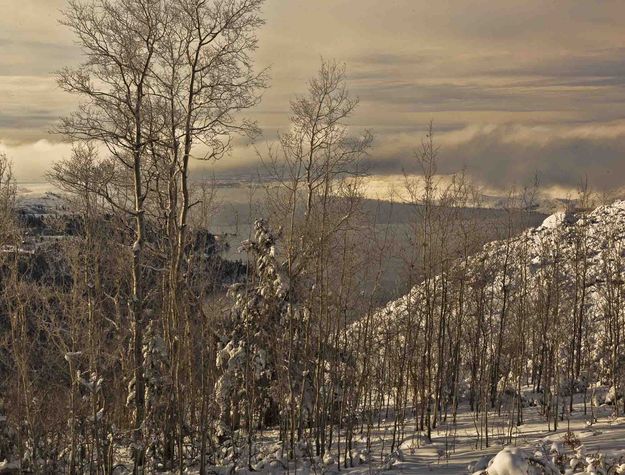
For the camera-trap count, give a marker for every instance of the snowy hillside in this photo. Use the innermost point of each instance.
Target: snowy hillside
(579, 253)
(528, 328)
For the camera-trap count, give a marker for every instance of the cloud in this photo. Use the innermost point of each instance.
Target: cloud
(513, 87)
(31, 161)
(29, 108)
(500, 156)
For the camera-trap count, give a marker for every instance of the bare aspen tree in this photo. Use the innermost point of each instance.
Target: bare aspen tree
(162, 83)
(7, 199)
(313, 164)
(9, 241)
(203, 76)
(119, 40)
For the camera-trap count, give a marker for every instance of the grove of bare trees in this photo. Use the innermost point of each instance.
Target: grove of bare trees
(132, 345)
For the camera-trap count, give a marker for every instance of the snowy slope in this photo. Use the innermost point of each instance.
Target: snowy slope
(582, 256)
(587, 246)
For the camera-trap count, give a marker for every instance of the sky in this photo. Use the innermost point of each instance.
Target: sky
(515, 88)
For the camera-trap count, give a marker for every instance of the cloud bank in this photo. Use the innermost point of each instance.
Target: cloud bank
(514, 88)
(502, 155)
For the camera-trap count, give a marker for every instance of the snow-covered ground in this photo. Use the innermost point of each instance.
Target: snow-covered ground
(454, 448)
(605, 436)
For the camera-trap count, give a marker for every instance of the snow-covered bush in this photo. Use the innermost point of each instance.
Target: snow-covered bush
(249, 358)
(548, 458)
(8, 442)
(158, 386)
